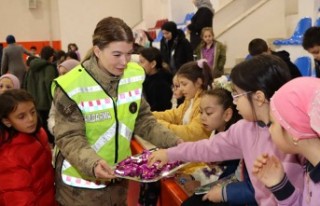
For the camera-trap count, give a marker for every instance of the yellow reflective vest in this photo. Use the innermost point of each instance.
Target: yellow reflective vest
(109, 121)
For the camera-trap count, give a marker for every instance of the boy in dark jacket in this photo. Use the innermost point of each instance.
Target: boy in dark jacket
(259, 46)
(311, 43)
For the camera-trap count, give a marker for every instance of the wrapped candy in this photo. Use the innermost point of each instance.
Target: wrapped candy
(136, 167)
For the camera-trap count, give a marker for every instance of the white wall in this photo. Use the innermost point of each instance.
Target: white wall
(231, 12)
(238, 37)
(174, 10)
(29, 24)
(79, 18)
(154, 10)
(74, 20)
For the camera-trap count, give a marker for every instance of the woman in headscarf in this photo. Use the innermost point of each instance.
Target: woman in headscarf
(175, 48)
(202, 18)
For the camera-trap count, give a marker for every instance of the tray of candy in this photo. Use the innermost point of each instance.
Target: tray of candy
(136, 168)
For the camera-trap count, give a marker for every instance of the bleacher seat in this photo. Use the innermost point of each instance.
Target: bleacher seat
(304, 65)
(186, 21)
(296, 38)
(153, 31)
(159, 37)
(317, 22)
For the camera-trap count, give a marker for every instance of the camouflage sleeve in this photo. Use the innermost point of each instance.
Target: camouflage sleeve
(149, 129)
(70, 134)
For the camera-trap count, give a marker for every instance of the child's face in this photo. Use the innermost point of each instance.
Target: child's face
(148, 66)
(189, 88)
(33, 51)
(207, 37)
(24, 118)
(176, 88)
(241, 100)
(213, 116)
(315, 51)
(73, 48)
(281, 138)
(5, 84)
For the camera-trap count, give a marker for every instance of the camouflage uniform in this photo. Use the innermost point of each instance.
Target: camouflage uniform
(71, 140)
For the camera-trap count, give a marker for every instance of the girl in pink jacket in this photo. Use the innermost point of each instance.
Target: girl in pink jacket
(254, 83)
(295, 129)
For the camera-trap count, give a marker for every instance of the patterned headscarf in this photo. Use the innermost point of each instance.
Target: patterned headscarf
(204, 3)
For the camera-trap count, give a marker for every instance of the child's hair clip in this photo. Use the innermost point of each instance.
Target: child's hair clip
(200, 62)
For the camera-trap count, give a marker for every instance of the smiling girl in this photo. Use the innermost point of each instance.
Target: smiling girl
(184, 121)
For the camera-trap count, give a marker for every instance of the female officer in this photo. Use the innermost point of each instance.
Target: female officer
(99, 105)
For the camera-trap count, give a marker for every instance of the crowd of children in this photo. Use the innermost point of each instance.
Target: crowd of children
(262, 124)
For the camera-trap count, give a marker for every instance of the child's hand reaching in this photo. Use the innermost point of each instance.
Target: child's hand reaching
(268, 169)
(214, 195)
(160, 155)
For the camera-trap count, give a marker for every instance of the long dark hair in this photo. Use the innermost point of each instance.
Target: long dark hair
(152, 54)
(264, 72)
(225, 99)
(192, 71)
(9, 102)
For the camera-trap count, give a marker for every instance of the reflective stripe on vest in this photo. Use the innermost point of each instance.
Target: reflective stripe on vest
(101, 104)
(100, 110)
(78, 182)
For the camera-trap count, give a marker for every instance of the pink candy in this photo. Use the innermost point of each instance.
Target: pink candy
(136, 166)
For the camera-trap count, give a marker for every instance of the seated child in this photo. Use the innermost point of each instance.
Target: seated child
(218, 113)
(184, 121)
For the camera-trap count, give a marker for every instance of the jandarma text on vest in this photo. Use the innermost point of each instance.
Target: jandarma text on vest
(97, 117)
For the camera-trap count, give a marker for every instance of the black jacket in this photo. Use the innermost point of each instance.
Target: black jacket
(202, 18)
(157, 90)
(285, 56)
(317, 68)
(178, 47)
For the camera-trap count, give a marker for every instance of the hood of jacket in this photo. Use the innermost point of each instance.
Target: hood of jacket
(38, 64)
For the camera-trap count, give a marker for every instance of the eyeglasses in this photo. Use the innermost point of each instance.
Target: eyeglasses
(236, 96)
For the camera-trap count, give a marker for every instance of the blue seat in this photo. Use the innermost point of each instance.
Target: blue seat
(159, 37)
(317, 22)
(188, 17)
(304, 65)
(296, 38)
(186, 20)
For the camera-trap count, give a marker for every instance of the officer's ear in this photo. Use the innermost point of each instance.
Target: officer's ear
(96, 51)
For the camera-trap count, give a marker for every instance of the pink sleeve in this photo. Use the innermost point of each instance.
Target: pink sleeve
(220, 147)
